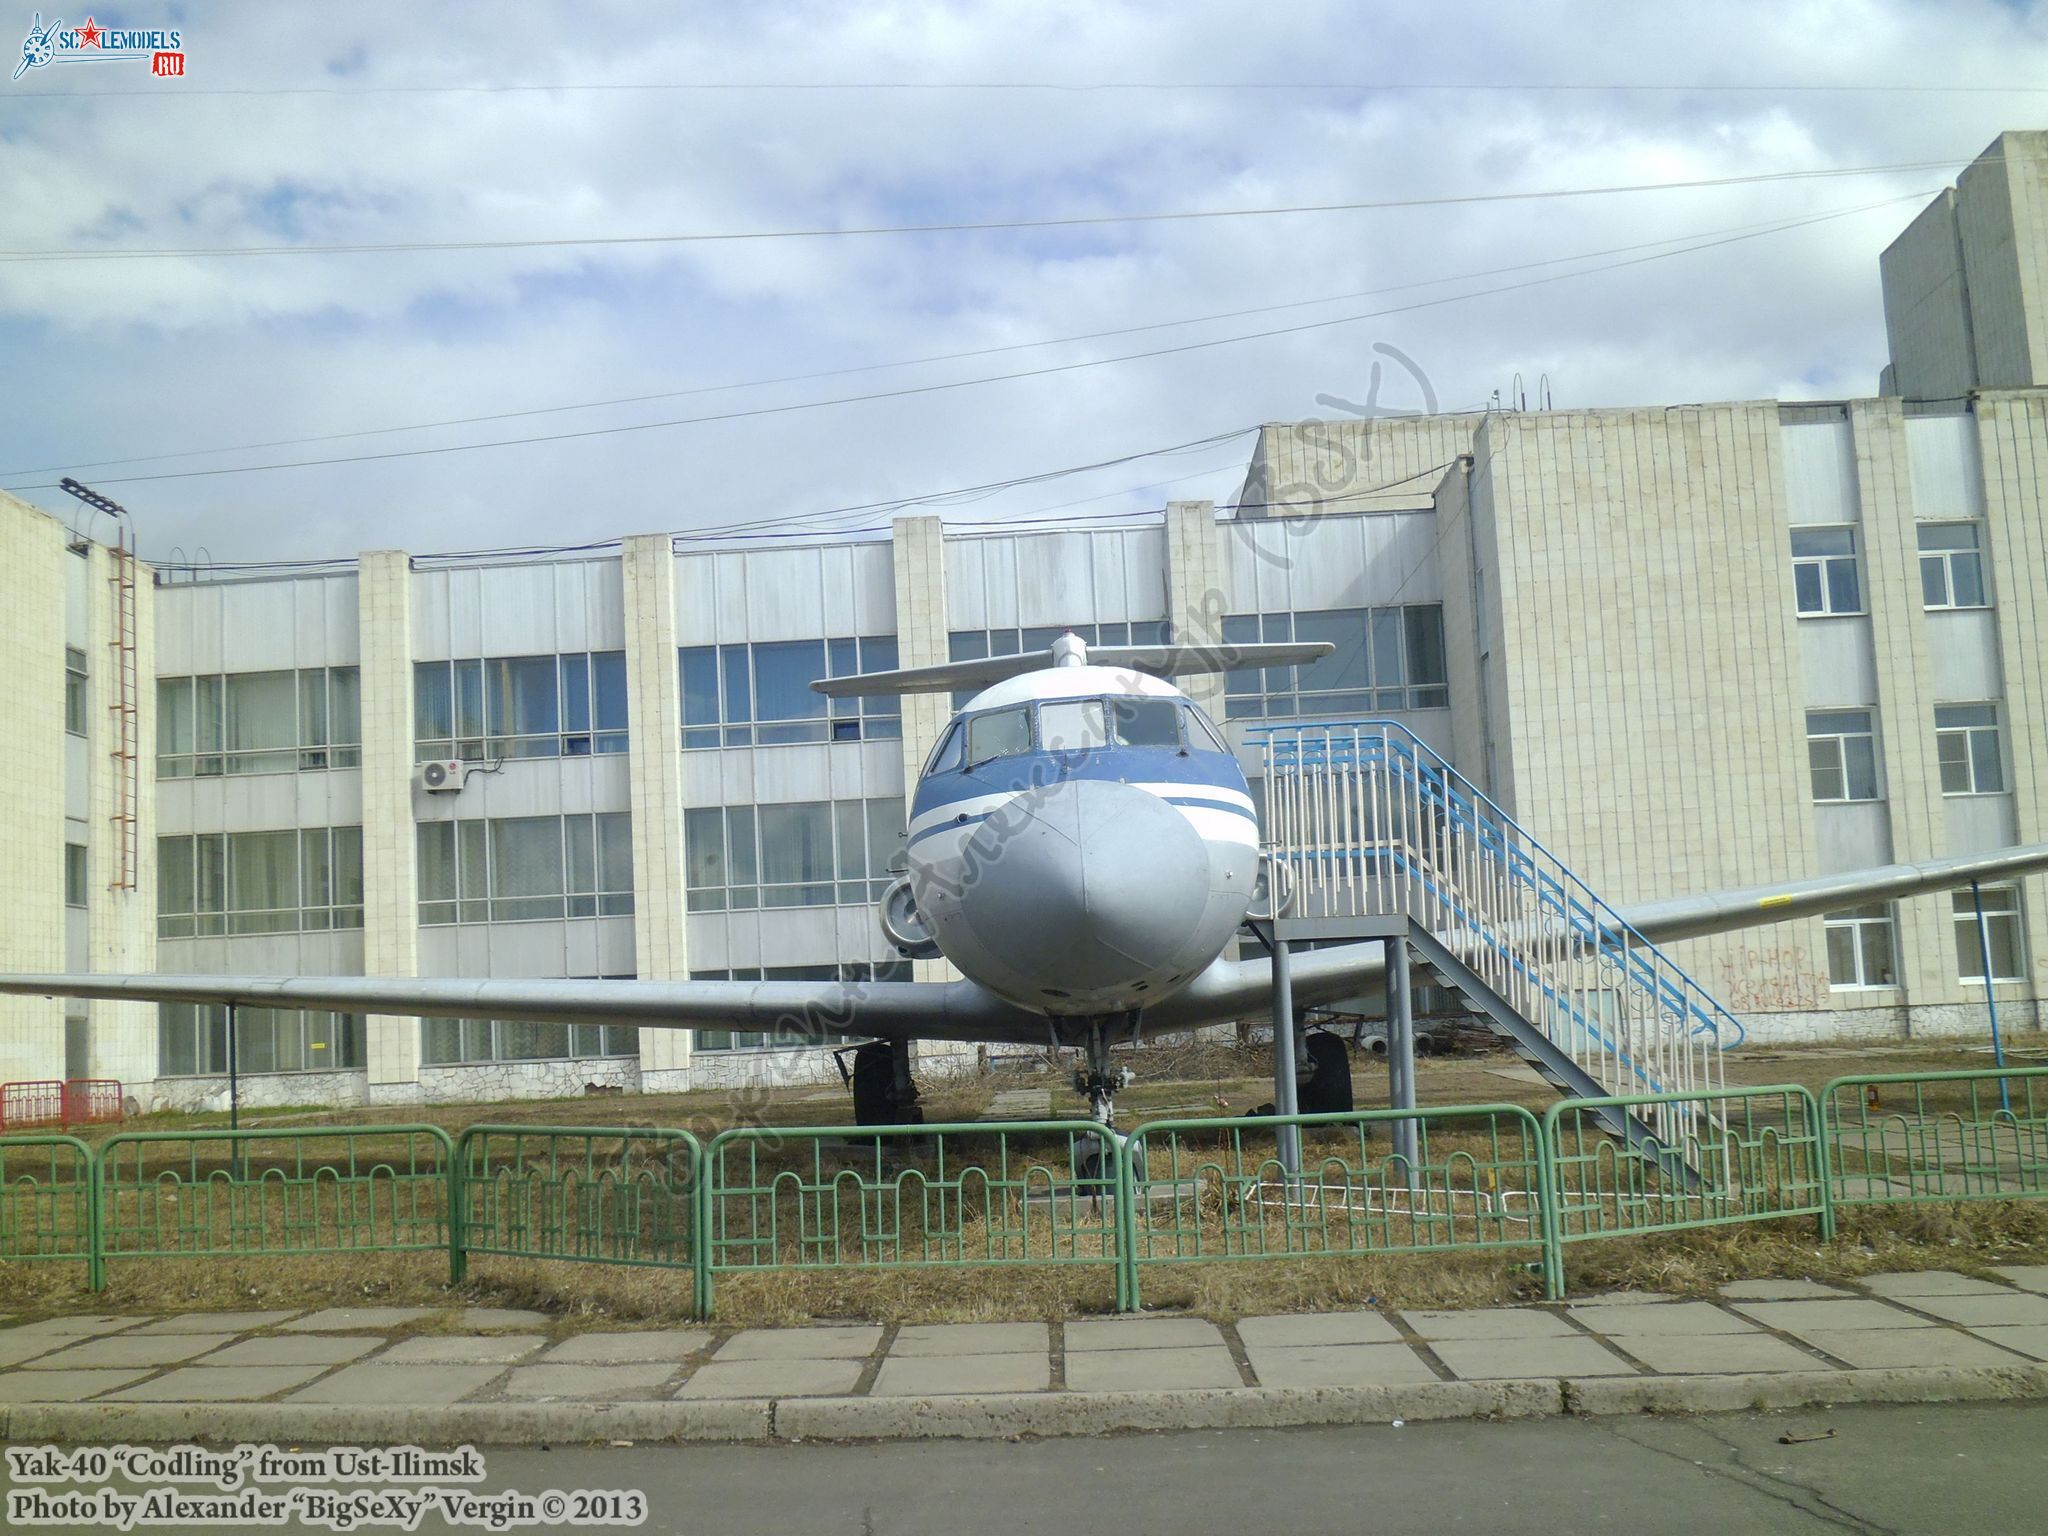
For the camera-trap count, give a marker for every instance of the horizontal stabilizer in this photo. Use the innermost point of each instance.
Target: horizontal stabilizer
(1159, 660)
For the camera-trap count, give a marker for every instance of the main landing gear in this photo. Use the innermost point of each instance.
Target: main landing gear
(883, 1090)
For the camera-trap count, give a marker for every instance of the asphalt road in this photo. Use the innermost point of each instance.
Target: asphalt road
(1980, 1470)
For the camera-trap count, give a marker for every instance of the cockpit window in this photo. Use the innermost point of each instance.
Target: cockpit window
(946, 755)
(1202, 735)
(1001, 733)
(1072, 725)
(1145, 722)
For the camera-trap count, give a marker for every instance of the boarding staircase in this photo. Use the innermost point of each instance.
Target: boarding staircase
(1369, 822)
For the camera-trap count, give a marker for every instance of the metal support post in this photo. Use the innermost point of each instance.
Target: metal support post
(1286, 1094)
(1401, 1052)
(1990, 998)
(234, 1095)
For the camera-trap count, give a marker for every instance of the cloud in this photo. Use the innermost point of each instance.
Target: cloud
(116, 360)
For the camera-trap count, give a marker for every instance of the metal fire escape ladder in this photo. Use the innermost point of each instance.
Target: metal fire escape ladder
(122, 716)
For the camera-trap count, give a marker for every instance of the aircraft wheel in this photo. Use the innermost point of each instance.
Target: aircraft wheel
(875, 1097)
(1328, 1089)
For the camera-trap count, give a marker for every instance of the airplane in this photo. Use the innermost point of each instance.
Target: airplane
(1083, 847)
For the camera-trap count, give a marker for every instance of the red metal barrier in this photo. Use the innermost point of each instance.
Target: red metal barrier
(93, 1101)
(24, 1106)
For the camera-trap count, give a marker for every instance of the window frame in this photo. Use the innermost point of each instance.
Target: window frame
(1859, 923)
(1825, 566)
(2006, 916)
(1946, 561)
(199, 892)
(326, 724)
(726, 858)
(1381, 685)
(462, 863)
(1839, 742)
(76, 697)
(203, 1028)
(1972, 735)
(461, 704)
(719, 687)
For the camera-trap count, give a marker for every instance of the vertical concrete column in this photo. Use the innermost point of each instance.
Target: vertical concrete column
(121, 1038)
(1905, 694)
(2012, 437)
(919, 545)
(1195, 597)
(391, 907)
(654, 766)
(32, 552)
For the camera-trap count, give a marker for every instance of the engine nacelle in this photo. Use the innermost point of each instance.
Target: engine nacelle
(903, 925)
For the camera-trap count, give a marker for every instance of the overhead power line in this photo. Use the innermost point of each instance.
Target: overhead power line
(1070, 87)
(909, 391)
(1077, 221)
(1763, 226)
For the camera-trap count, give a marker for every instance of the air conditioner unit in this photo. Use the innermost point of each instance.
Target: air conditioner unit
(440, 778)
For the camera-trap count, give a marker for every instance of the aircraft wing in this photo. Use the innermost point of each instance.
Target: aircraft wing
(890, 1010)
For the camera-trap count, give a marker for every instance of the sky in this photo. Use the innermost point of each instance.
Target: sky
(388, 125)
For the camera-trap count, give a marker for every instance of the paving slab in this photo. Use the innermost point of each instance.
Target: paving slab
(1122, 1333)
(642, 1380)
(1932, 1282)
(1780, 1290)
(219, 1322)
(1798, 1316)
(2012, 1308)
(217, 1384)
(800, 1344)
(61, 1386)
(656, 1344)
(922, 1339)
(1906, 1348)
(1677, 1319)
(297, 1349)
(1717, 1354)
(481, 1319)
(77, 1325)
(461, 1349)
(1491, 1323)
(766, 1377)
(2028, 1277)
(16, 1346)
(124, 1350)
(2028, 1338)
(1625, 1298)
(1529, 1359)
(1162, 1369)
(344, 1319)
(398, 1386)
(1318, 1328)
(1337, 1365)
(947, 1375)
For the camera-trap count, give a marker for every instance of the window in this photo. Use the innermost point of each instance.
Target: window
(259, 882)
(258, 722)
(1386, 659)
(1824, 571)
(1202, 736)
(456, 1042)
(803, 854)
(2001, 929)
(1860, 947)
(761, 695)
(1966, 741)
(945, 756)
(1841, 753)
(192, 1040)
(974, 644)
(1951, 566)
(74, 690)
(1000, 733)
(74, 874)
(572, 705)
(1146, 722)
(754, 1039)
(517, 869)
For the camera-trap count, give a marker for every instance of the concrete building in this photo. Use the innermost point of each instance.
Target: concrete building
(1689, 648)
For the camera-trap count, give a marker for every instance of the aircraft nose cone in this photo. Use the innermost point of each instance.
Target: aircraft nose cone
(1088, 886)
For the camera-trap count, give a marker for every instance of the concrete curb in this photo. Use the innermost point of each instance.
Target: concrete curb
(998, 1416)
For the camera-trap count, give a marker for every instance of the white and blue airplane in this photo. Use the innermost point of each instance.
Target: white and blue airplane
(1083, 848)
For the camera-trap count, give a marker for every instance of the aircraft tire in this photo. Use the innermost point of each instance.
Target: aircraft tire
(1328, 1089)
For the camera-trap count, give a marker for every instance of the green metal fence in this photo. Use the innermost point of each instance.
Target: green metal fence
(903, 1197)
(215, 1193)
(1937, 1136)
(1724, 1156)
(1208, 1189)
(46, 1204)
(594, 1194)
